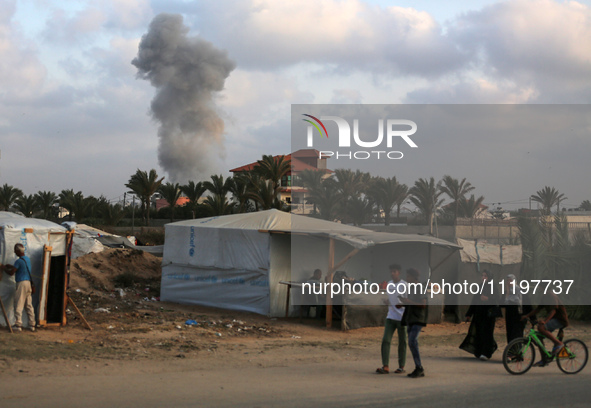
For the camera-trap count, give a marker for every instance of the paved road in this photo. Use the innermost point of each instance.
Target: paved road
(450, 382)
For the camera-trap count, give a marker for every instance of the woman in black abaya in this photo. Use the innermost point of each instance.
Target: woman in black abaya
(483, 311)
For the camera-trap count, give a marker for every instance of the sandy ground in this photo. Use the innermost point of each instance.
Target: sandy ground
(134, 334)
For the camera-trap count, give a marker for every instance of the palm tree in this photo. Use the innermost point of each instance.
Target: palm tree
(217, 186)
(456, 190)
(327, 199)
(402, 195)
(45, 201)
(425, 196)
(217, 205)
(264, 194)
(193, 191)
(81, 206)
(358, 210)
(386, 192)
(312, 181)
(470, 207)
(273, 168)
(548, 197)
(66, 200)
(351, 184)
(585, 205)
(144, 185)
(171, 193)
(8, 196)
(113, 214)
(27, 205)
(240, 186)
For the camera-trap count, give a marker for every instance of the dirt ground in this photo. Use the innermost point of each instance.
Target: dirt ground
(117, 292)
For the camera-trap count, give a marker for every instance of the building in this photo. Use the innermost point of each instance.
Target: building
(289, 191)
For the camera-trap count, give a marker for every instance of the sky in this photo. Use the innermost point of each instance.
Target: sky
(76, 113)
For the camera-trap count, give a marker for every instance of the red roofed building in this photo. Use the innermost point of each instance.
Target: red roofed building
(304, 159)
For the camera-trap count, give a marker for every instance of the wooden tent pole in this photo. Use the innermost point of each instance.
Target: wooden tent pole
(71, 302)
(330, 274)
(5, 316)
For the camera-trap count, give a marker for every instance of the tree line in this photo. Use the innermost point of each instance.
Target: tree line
(347, 196)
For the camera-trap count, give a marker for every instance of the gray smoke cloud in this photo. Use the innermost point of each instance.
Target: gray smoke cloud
(186, 72)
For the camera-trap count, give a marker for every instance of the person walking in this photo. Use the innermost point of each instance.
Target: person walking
(480, 340)
(415, 317)
(396, 289)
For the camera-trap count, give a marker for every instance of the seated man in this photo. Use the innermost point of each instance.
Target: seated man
(556, 318)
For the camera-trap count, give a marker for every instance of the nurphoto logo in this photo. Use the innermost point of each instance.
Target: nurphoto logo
(401, 128)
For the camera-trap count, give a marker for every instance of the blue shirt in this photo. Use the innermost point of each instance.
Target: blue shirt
(21, 265)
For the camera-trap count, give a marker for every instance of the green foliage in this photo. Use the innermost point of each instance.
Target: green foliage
(8, 196)
(27, 205)
(548, 197)
(144, 185)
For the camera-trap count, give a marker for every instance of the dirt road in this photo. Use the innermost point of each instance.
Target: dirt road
(453, 379)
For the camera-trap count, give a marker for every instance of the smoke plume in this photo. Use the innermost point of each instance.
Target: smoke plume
(186, 72)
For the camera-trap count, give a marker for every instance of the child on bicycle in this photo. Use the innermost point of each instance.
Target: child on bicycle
(556, 318)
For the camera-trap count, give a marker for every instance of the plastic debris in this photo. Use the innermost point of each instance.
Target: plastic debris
(101, 310)
(191, 322)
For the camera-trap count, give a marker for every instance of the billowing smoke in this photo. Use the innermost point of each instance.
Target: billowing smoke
(186, 72)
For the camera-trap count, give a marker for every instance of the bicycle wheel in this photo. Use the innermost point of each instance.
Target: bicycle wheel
(573, 357)
(519, 356)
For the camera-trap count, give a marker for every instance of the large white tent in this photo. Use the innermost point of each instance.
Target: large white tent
(46, 244)
(237, 261)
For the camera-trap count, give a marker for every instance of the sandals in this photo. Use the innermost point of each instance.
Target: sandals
(399, 370)
(381, 370)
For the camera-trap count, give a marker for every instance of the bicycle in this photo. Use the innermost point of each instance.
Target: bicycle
(519, 355)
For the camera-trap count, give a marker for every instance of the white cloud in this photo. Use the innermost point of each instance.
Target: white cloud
(351, 33)
(540, 44)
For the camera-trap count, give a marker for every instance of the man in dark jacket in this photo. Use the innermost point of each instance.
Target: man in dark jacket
(415, 317)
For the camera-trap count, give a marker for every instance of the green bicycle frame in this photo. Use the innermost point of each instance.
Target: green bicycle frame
(537, 338)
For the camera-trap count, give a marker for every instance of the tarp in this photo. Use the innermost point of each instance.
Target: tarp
(33, 234)
(236, 261)
(483, 252)
(88, 240)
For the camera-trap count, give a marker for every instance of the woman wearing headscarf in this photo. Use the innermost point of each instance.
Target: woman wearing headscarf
(514, 309)
(480, 339)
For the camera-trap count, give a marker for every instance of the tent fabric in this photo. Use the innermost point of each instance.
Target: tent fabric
(33, 234)
(236, 261)
(483, 252)
(88, 240)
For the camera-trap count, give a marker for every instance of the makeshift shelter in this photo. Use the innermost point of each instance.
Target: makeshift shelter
(476, 256)
(88, 240)
(238, 261)
(47, 245)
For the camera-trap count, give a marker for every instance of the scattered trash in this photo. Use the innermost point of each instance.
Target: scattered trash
(121, 292)
(218, 334)
(110, 327)
(295, 337)
(191, 323)
(71, 341)
(78, 290)
(179, 327)
(101, 310)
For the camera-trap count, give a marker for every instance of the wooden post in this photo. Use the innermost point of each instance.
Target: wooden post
(5, 316)
(330, 275)
(79, 313)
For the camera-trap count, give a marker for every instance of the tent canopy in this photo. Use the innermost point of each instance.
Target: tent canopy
(237, 261)
(275, 221)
